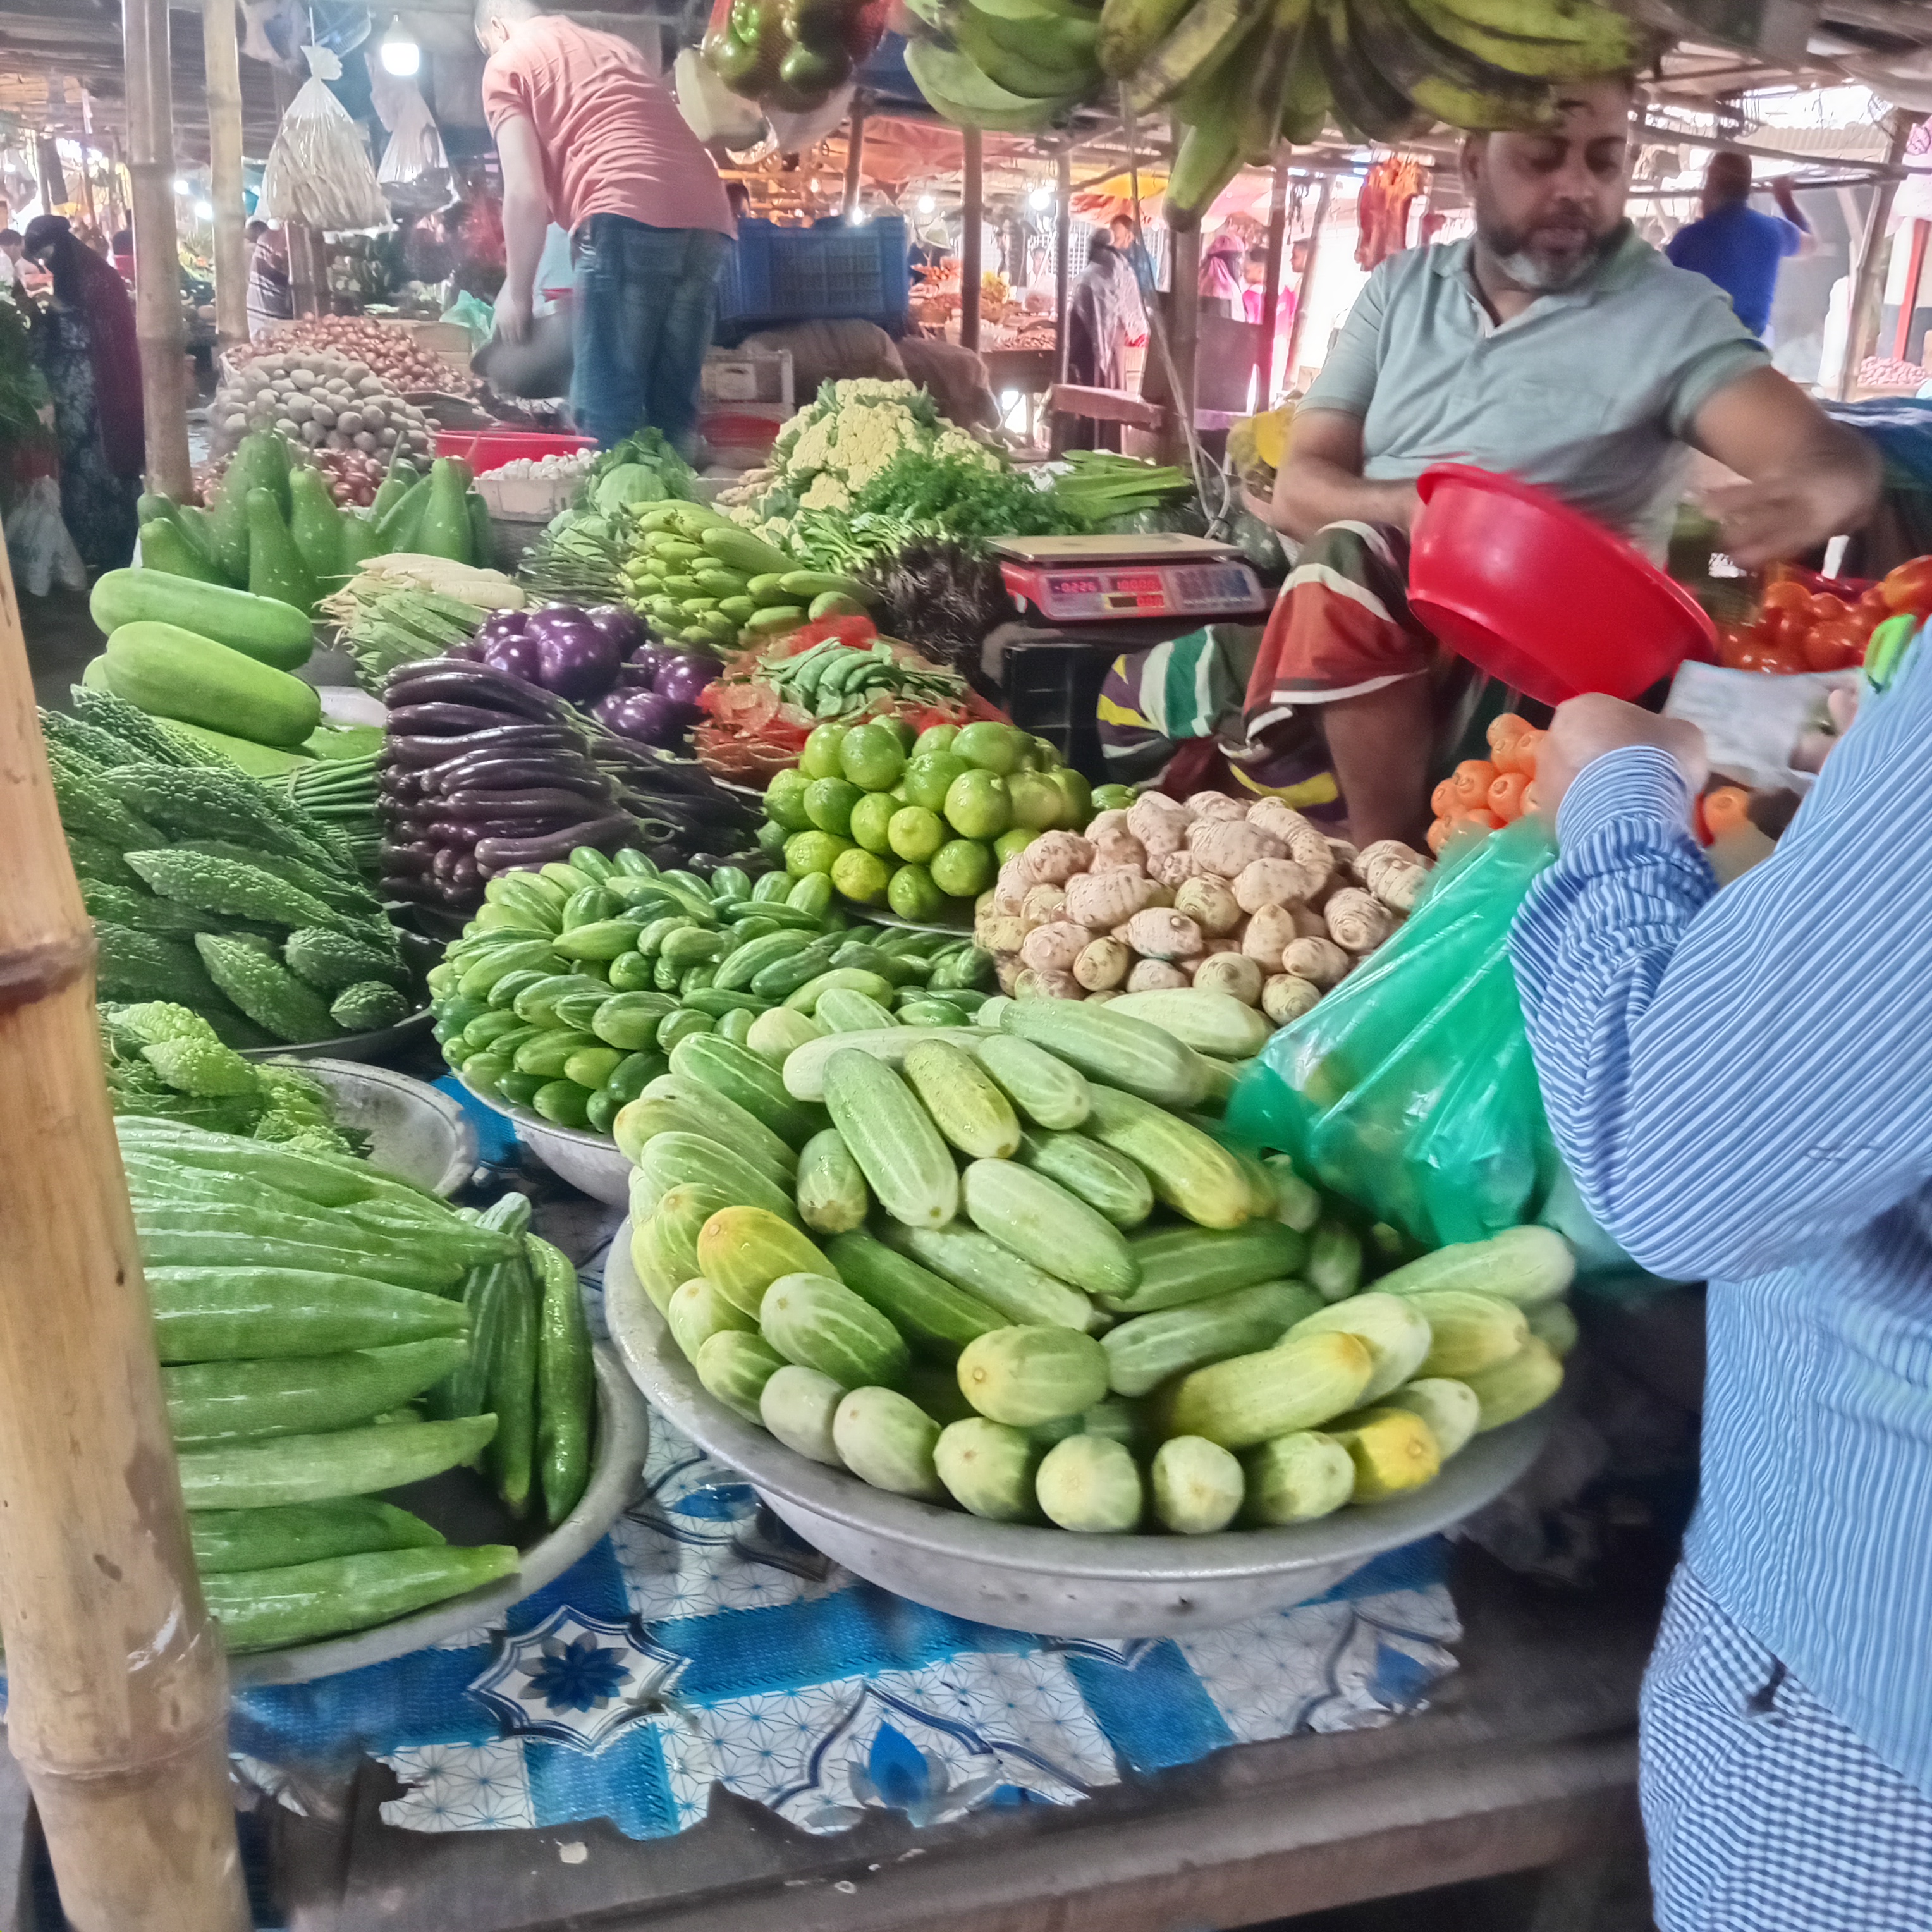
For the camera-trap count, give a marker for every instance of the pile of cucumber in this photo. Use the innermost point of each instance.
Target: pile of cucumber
(326, 1333)
(569, 991)
(1014, 1267)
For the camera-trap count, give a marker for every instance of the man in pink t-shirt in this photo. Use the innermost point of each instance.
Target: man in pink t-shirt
(589, 136)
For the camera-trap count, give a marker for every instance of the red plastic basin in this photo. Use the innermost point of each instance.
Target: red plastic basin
(1539, 595)
(489, 449)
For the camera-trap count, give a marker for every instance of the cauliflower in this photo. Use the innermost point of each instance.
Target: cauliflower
(957, 442)
(826, 493)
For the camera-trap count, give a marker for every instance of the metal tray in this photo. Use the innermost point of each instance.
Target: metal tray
(414, 1131)
(361, 1047)
(1048, 1582)
(592, 1163)
(460, 1504)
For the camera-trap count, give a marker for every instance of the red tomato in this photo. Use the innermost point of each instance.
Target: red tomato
(1910, 586)
(1826, 609)
(1784, 660)
(1864, 618)
(1832, 647)
(1749, 655)
(1787, 594)
(1783, 627)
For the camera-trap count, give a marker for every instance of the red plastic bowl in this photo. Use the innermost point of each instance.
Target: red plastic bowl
(1537, 594)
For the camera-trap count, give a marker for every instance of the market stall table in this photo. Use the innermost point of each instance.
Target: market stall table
(1526, 1758)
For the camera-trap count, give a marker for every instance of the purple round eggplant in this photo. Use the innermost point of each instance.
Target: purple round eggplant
(516, 654)
(574, 658)
(625, 629)
(645, 715)
(684, 677)
(502, 624)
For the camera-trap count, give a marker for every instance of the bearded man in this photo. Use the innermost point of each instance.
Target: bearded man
(1556, 345)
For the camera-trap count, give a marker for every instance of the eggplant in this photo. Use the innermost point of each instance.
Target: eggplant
(514, 653)
(461, 835)
(624, 627)
(448, 720)
(506, 803)
(468, 774)
(574, 658)
(440, 681)
(503, 855)
(409, 751)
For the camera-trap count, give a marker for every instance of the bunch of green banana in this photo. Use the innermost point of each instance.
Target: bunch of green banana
(1013, 66)
(833, 680)
(704, 581)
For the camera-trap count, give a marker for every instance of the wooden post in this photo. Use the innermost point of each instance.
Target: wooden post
(855, 156)
(1062, 238)
(973, 213)
(1277, 230)
(1307, 279)
(1867, 289)
(223, 63)
(1908, 305)
(1184, 336)
(119, 1710)
(158, 308)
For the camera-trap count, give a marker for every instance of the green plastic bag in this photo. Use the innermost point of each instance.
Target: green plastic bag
(1410, 1089)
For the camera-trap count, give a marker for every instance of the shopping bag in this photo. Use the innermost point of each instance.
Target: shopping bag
(38, 546)
(318, 171)
(1410, 1089)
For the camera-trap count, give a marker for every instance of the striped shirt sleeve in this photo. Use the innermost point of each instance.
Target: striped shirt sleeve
(1741, 1081)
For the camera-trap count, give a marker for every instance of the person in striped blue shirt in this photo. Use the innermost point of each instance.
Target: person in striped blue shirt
(1742, 1083)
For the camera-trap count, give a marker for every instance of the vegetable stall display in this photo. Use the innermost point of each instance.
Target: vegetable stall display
(569, 991)
(1253, 901)
(484, 771)
(211, 891)
(328, 1332)
(1805, 623)
(1011, 1266)
(920, 828)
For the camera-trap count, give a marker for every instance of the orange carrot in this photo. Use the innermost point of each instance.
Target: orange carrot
(1438, 835)
(1519, 753)
(1506, 795)
(1442, 799)
(1726, 809)
(1503, 729)
(1471, 782)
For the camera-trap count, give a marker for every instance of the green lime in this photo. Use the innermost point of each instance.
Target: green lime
(977, 805)
(829, 803)
(1079, 798)
(912, 894)
(808, 852)
(962, 868)
(915, 833)
(862, 876)
(1037, 801)
(1046, 754)
(870, 817)
(819, 758)
(1112, 797)
(927, 778)
(1008, 843)
(785, 800)
(871, 756)
(901, 728)
(772, 836)
(988, 747)
(934, 738)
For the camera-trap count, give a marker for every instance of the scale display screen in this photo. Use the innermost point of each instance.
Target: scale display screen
(1135, 588)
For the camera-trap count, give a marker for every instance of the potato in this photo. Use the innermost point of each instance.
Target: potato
(1320, 962)
(1272, 882)
(1268, 934)
(1042, 903)
(1103, 900)
(1215, 805)
(1211, 906)
(1162, 933)
(1055, 946)
(1116, 849)
(1035, 984)
(1232, 972)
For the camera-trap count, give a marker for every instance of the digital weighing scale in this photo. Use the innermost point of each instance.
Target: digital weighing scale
(1086, 579)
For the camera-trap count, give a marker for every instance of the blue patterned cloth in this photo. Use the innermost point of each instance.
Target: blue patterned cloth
(1764, 1813)
(1742, 1085)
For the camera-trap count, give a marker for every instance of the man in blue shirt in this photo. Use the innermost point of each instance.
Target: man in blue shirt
(1741, 1082)
(1733, 245)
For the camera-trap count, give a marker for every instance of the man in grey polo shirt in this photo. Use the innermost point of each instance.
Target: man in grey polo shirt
(1554, 344)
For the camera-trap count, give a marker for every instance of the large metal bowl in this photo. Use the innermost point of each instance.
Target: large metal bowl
(361, 1047)
(592, 1163)
(414, 1131)
(1046, 1581)
(460, 1503)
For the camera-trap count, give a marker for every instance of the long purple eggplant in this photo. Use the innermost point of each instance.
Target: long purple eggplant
(440, 681)
(503, 855)
(407, 750)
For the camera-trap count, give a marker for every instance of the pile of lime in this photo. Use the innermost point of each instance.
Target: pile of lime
(918, 823)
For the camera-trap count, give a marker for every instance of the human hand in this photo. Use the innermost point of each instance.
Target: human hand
(1780, 517)
(514, 317)
(1586, 728)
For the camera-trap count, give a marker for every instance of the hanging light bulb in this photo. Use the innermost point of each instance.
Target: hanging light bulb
(401, 56)
(204, 211)
(1041, 197)
(928, 204)
(181, 185)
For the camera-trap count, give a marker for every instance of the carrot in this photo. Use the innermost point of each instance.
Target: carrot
(1438, 835)
(1506, 795)
(1442, 799)
(1471, 782)
(1502, 729)
(1726, 809)
(1519, 753)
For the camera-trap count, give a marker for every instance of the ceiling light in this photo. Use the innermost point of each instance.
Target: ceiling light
(927, 204)
(1041, 197)
(181, 185)
(204, 211)
(858, 218)
(401, 56)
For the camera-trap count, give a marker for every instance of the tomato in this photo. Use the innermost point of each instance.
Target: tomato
(1733, 640)
(1910, 586)
(1784, 660)
(1787, 594)
(1832, 647)
(1826, 609)
(1749, 655)
(1783, 626)
(1864, 618)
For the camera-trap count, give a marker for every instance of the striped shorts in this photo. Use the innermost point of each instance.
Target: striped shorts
(1764, 1813)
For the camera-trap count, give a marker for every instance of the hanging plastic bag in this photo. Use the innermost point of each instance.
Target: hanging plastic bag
(38, 545)
(414, 171)
(1410, 1089)
(318, 173)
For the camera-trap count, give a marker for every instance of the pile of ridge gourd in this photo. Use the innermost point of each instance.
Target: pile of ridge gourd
(327, 1333)
(1013, 1266)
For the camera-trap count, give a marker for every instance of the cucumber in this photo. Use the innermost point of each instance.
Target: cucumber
(1090, 1483)
(1513, 1387)
(892, 1137)
(664, 1243)
(1198, 1486)
(936, 1318)
(310, 1468)
(989, 1469)
(831, 1195)
(735, 1368)
(964, 1104)
(1045, 1088)
(1144, 1352)
(821, 1323)
(804, 1072)
(697, 1311)
(265, 1610)
(996, 1275)
(1393, 1451)
(1525, 1265)
(1041, 1222)
(268, 1539)
(1396, 1334)
(1296, 1385)
(742, 1077)
(887, 1440)
(1025, 1375)
(1180, 1265)
(1296, 1478)
(742, 1251)
(1467, 1332)
(797, 1405)
(1107, 1181)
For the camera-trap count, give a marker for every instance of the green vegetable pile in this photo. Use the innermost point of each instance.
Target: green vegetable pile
(642, 469)
(164, 1060)
(384, 625)
(327, 1333)
(211, 891)
(23, 390)
(571, 991)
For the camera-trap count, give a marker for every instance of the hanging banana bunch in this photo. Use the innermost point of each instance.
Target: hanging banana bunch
(1012, 66)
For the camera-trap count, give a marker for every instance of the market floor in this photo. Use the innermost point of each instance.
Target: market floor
(61, 639)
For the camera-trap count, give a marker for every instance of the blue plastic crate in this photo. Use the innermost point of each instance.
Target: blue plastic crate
(777, 275)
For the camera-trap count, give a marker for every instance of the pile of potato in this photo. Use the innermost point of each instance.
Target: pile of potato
(1251, 900)
(321, 401)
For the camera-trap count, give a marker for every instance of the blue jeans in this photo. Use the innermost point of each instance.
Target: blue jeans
(645, 302)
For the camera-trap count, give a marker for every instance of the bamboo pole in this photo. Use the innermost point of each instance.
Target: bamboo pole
(119, 1701)
(973, 213)
(158, 308)
(1908, 303)
(855, 157)
(222, 59)
(1307, 279)
(1183, 339)
(1277, 230)
(1868, 289)
(1063, 237)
